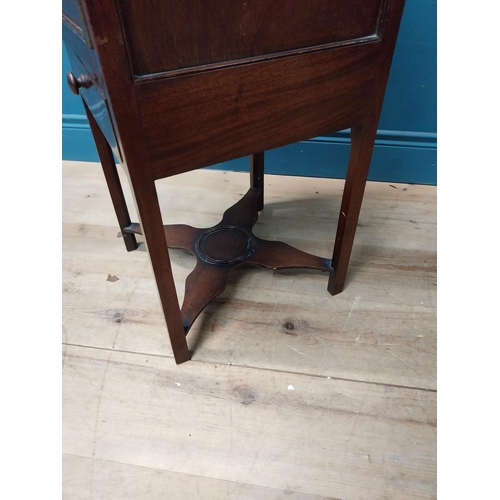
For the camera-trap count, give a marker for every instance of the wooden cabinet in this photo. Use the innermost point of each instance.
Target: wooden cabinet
(175, 85)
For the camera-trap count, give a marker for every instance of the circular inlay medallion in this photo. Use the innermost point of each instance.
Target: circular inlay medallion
(225, 245)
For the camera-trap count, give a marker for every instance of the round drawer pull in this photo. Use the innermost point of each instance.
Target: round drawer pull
(75, 84)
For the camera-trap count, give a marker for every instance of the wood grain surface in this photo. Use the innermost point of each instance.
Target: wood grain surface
(197, 33)
(249, 117)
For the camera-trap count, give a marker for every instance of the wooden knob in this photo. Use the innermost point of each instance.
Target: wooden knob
(75, 84)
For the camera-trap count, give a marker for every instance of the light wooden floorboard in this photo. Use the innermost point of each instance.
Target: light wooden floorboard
(371, 350)
(285, 431)
(118, 481)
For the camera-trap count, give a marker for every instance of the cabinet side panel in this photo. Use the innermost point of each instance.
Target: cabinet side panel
(197, 120)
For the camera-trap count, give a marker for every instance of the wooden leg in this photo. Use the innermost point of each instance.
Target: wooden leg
(257, 175)
(112, 180)
(362, 141)
(148, 209)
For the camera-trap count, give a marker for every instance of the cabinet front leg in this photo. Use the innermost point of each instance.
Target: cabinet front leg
(362, 141)
(148, 209)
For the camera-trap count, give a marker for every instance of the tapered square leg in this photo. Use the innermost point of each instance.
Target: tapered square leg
(112, 180)
(148, 209)
(362, 142)
(257, 176)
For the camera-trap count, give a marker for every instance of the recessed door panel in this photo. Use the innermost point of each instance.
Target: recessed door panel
(166, 35)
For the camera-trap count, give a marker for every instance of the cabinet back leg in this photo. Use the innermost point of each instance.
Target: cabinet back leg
(257, 175)
(112, 180)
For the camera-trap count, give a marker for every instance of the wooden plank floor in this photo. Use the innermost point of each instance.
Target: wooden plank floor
(291, 393)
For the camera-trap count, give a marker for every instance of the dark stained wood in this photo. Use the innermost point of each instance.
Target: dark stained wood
(203, 284)
(257, 175)
(232, 244)
(182, 236)
(362, 142)
(164, 36)
(112, 180)
(177, 235)
(190, 84)
(152, 226)
(279, 255)
(107, 36)
(263, 105)
(243, 213)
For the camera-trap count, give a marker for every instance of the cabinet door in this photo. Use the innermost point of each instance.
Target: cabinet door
(169, 35)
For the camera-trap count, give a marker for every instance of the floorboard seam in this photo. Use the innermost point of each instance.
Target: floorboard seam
(276, 370)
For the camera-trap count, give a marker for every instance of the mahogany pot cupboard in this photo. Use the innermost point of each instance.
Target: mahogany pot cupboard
(175, 85)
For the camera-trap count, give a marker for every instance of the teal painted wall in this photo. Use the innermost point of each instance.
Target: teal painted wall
(405, 150)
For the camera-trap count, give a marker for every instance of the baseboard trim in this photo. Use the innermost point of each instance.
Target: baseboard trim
(398, 156)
